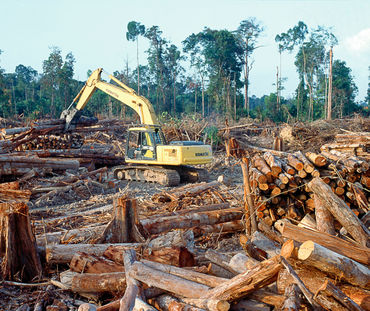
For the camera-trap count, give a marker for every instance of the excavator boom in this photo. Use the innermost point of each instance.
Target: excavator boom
(148, 157)
(122, 92)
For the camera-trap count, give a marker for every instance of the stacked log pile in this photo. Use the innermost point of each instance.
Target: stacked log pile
(45, 145)
(355, 144)
(280, 182)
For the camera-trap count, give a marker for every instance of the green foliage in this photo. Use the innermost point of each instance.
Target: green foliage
(213, 85)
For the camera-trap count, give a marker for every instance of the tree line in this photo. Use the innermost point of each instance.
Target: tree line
(209, 74)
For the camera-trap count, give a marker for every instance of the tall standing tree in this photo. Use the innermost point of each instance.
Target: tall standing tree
(134, 30)
(174, 57)
(344, 90)
(367, 99)
(156, 61)
(193, 46)
(287, 41)
(249, 30)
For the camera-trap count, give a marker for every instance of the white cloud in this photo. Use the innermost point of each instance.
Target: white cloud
(360, 42)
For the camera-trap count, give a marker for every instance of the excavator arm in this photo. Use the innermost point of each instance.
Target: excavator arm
(121, 92)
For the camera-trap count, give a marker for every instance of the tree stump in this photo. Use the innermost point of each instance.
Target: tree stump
(18, 244)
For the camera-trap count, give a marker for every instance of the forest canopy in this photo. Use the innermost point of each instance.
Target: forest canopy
(208, 74)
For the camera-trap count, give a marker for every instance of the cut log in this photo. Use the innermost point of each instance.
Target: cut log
(262, 166)
(158, 225)
(85, 263)
(249, 210)
(225, 227)
(306, 292)
(94, 283)
(242, 263)
(168, 282)
(356, 252)
(169, 303)
(313, 279)
(64, 253)
(201, 278)
(18, 244)
(127, 302)
(334, 291)
(294, 162)
(208, 304)
(293, 300)
(317, 159)
(274, 163)
(324, 219)
(241, 285)
(333, 263)
(341, 212)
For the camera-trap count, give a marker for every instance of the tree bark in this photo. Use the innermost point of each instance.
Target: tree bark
(340, 211)
(351, 250)
(241, 285)
(335, 264)
(18, 244)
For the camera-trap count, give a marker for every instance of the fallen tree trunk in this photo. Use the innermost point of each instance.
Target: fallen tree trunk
(335, 264)
(64, 253)
(241, 285)
(340, 211)
(86, 263)
(168, 282)
(356, 252)
(158, 225)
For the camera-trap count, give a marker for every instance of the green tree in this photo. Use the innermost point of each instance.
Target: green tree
(134, 30)
(367, 98)
(249, 30)
(50, 79)
(223, 54)
(287, 41)
(156, 62)
(344, 90)
(192, 46)
(173, 59)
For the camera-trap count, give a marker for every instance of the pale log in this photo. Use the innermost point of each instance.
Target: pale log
(324, 219)
(201, 278)
(293, 300)
(63, 253)
(169, 303)
(351, 250)
(340, 211)
(94, 283)
(168, 282)
(158, 225)
(127, 302)
(294, 162)
(243, 284)
(317, 159)
(208, 304)
(335, 264)
(241, 263)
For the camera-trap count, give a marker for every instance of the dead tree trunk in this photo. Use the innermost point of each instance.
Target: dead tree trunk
(18, 244)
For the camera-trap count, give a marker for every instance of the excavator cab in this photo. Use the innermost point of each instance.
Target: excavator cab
(142, 143)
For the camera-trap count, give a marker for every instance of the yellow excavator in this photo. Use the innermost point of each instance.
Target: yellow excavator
(148, 156)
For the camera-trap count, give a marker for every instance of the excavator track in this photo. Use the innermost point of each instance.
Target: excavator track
(164, 176)
(192, 174)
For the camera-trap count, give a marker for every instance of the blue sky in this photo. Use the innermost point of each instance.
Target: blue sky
(94, 31)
